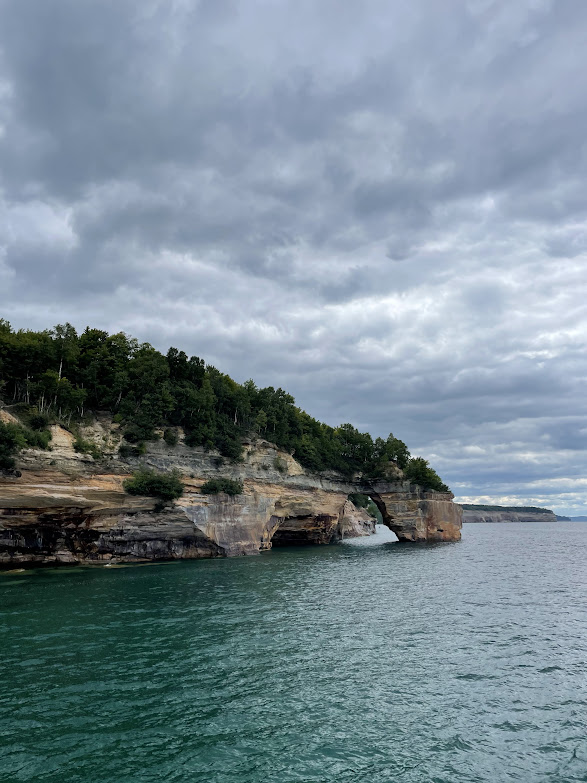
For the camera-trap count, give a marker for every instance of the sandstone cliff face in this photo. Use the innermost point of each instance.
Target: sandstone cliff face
(416, 515)
(67, 508)
(508, 516)
(356, 522)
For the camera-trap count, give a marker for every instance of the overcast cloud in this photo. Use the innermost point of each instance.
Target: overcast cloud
(378, 206)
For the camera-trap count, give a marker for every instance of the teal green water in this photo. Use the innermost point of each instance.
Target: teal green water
(365, 661)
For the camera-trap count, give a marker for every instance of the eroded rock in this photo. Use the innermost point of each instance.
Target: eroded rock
(68, 508)
(355, 522)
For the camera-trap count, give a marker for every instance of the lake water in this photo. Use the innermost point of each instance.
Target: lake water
(366, 661)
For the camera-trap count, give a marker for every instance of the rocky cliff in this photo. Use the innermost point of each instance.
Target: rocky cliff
(65, 507)
(507, 515)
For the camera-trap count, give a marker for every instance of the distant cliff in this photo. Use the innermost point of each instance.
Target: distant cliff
(472, 513)
(66, 506)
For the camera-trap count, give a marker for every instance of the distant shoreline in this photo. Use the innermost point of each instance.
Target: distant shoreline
(503, 514)
(487, 513)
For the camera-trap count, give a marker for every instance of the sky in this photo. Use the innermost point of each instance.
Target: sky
(377, 206)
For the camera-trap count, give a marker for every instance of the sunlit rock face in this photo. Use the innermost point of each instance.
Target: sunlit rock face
(65, 507)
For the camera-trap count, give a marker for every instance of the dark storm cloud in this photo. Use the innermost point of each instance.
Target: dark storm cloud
(379, 207)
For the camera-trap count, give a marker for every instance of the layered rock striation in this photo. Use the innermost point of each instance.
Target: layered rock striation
(507, 515)
(65, 507)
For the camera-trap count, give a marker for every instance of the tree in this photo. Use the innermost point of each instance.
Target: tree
(356, 448)
(261, 422)
(62, 375)
(10, 443)
(66, 344)
(397, 451)
(418, 471)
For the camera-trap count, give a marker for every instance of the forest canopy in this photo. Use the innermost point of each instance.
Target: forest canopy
(65, 376)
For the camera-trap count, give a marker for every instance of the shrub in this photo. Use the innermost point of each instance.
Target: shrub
(170, 436)
(14, 437)
(215, 486)
(38, 421)
(230, 448)
(126, 450)
(280, 465)
(23, 410)
(86, 447)
(135, 434)
(131, 435)
(193, 439)
(36, 440)
(165, 486)
(10, 443)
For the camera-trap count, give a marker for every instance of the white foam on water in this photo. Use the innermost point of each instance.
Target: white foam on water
(382, 535)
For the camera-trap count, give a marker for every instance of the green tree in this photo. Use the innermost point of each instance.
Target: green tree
(418, 471)
(60, 374)
(261, 422)
(10, 443)
(66, 344)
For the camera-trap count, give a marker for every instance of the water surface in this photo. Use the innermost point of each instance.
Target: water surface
(367, 661)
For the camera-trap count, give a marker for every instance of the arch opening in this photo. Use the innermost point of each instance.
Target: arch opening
(359, 519)
(366, 502)
(386, 518)
(373, 504)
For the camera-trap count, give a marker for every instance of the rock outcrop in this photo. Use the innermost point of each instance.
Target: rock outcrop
(416, 515)
(66, 507)
(356, 522)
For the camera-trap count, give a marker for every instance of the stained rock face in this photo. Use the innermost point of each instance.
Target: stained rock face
(66, 508)
(416, 515)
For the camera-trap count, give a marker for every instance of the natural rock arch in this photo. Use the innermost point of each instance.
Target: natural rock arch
(61, 509)
(410, 512)
(386, 517)
(414, 514)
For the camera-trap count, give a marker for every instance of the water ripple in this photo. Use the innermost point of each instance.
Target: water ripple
(361, 663)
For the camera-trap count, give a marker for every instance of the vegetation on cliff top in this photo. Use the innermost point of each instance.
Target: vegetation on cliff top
(59, 374)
